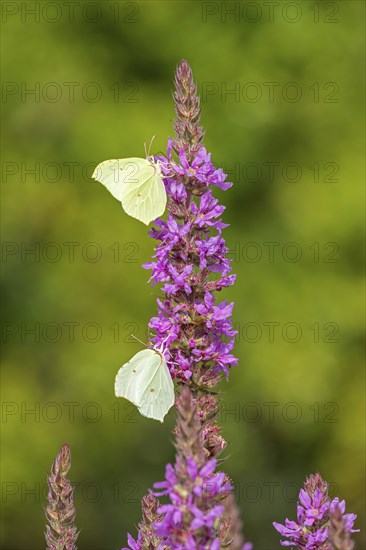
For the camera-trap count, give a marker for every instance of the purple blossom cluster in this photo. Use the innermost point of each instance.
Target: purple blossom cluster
(190, 520)
(191, 262)
(340, 526)
(314, 515)
(199, 514)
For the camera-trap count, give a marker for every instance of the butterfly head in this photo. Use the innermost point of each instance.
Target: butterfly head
(155, 164)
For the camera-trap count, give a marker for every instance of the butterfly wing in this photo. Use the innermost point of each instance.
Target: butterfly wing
(137, 183)
(145, 381)
(115, 174)
(132, 377)
(145, 199)
(158, 396)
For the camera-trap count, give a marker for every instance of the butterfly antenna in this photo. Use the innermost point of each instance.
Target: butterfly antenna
(138, 339)
(152, 139)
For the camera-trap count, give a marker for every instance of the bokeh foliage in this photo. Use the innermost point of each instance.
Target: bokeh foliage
(119, 455)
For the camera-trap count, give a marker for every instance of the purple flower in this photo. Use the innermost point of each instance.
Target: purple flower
(132, 543)
(339, 506)
(340, 526)
(315, 511)
(198, 169)
(310, 508)
(208, 210)
(180, 280)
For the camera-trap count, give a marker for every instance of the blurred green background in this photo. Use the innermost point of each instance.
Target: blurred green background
(291, 136)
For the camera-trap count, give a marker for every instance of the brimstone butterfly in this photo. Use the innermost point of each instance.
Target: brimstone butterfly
(137, 183)
(145, 381)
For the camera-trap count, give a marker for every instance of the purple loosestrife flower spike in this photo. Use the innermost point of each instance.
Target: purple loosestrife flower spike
(61, 532)
(191, 260)
(147, 539)
(196, 492)
(314, 527)
(340, 526)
